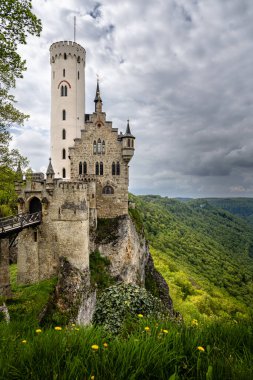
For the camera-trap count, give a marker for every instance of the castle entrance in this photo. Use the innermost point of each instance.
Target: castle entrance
(35, 205)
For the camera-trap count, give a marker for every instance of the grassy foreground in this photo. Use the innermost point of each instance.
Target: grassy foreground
(144, 349)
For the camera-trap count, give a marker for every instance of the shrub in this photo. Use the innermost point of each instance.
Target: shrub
(124, 300)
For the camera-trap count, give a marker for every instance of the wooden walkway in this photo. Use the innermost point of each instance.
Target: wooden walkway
(15, 224)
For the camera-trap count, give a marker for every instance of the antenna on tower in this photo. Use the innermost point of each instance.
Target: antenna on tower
(74, 28)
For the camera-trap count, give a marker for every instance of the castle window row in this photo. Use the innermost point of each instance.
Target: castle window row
(98, 147)
(99, 167)
(64, 91)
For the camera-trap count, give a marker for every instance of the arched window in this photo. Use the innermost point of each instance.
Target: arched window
(63, 114)
(101, 168)
(118, 168)
(78, 75)
(97, 168)
(99, 146)
(64, 134)
(128, 143)
(94, 147)
(85, 167)
(65, 56)
(103, 147)
(63, 154)
(113, 168)
(80, 168)
(63, 72)
(108, 190)
(63, 173)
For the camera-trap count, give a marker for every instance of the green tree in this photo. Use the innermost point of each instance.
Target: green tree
(16, 22)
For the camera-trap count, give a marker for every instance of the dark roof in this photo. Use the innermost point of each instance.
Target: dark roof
(97, 97)
(128, 131)
(50, 169)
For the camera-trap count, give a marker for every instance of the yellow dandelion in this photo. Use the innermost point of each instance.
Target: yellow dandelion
(194, 322)
(38, 331)
(77, 329)
(58, 328)
(94, 347)
(165, 331)
(147, 328)
(73, 324)
(140, 315)
(200, 348)
(24, 341)
(105, 345)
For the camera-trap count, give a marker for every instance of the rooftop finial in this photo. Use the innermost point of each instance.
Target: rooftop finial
(98, 100)
(74, 28)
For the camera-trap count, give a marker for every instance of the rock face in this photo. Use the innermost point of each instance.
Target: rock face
(157, 285)
(74, 300)
(118, 240)
(5, 288)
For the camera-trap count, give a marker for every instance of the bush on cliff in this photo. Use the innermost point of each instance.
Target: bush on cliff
(124, 300)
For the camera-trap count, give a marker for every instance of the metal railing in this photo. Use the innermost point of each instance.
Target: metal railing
(16, 223)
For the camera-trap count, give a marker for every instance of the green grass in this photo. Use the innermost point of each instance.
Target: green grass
(138, 354)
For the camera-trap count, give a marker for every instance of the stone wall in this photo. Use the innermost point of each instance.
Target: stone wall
(108, 205)
(5, 289)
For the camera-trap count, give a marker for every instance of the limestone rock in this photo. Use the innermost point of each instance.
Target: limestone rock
(73, 300)
(118, 240)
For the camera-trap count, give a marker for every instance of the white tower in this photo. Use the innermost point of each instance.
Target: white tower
(67, 102)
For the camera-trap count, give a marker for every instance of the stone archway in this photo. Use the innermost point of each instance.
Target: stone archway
(35, 205)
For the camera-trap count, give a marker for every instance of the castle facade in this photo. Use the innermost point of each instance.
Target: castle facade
(87, 176)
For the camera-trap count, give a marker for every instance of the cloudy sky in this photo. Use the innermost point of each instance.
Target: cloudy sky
(180, 70)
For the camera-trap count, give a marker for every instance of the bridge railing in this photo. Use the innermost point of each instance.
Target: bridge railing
(18, 222)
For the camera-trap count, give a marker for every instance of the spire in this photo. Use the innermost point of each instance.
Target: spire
(50, 169)
(98, 100)
(19, 172)
(128, 131)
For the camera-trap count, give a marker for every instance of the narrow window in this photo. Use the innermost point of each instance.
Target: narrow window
(63, 73)
(103, 147)
(35, 236)
(128, 142)
(101, 168)
(78, 59)
(64, 134)
(113, 168)
(80, 168)
(94, 147)
(97, 168)
(118, 168)
(65, 56)
(99, 146)
(85, 167)
(65, 90)
(63, 173)
(63, 154)
(78, 76)
(132, 143)
(63, 114)
(62, 90)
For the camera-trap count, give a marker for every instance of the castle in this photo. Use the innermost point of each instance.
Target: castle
(87, 176)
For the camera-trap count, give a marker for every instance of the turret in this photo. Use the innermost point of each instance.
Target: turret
(50, 172)
(127, 144)
(67, 101)
(98, 100)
